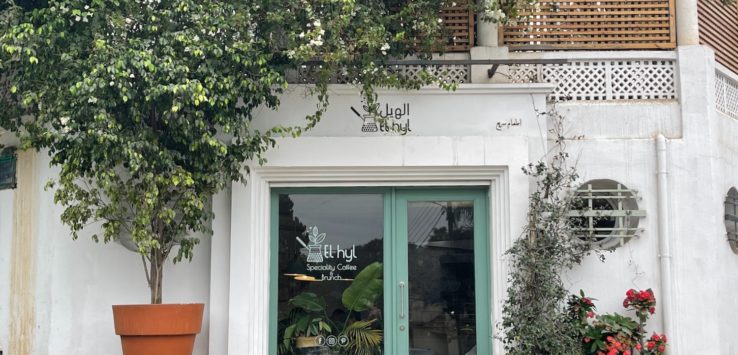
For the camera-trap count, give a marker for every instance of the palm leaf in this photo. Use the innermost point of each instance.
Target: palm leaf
(363, 339)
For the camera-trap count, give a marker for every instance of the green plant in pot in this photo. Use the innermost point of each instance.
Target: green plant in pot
(361, 296)
(308, 319)
(145, 107)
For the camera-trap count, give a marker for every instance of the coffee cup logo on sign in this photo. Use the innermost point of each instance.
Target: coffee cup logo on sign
(329, 260)
(393, 119)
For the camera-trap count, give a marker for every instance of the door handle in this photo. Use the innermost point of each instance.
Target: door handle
(402, 299)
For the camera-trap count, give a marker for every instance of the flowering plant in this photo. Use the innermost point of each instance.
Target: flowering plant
(581, 306)
(580, 310)
(642, 302)
(615, 334)
(656, 345)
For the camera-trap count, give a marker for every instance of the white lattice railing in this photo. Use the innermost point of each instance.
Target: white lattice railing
(594, 79)
(585, 76)
(726, 93)
(454, 73)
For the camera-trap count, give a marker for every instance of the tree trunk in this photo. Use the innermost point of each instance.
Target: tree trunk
(155, 275)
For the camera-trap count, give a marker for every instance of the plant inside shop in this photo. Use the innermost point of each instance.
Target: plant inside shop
(308, 320)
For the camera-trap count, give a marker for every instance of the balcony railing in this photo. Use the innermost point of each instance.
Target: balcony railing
(604, 77)
(726, 92)
(593, 24)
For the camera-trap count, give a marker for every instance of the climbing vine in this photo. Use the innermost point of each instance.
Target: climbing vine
(534, 313)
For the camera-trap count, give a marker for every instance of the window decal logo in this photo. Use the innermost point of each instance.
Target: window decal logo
(314, 246)
(321, 256)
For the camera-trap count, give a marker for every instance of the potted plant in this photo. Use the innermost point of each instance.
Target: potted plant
(308, 321)
(146, 109)
(616, 334)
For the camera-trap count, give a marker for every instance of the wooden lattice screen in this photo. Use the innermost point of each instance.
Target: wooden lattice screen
(593, 24)
(459, 24)
(719, 30)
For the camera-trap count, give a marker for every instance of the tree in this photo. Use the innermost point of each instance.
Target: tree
(146, 105)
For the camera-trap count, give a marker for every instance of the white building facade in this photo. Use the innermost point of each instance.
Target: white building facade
(659, 124)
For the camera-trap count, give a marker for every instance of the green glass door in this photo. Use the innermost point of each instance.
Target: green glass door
(380, 271)
(442, 273)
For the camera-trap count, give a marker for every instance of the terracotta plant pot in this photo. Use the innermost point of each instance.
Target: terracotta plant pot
(306, 342)
(158, 329)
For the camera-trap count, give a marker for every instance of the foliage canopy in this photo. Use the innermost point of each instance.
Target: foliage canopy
(146, 106)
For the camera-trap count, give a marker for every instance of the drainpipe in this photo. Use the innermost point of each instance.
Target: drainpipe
(667, 290)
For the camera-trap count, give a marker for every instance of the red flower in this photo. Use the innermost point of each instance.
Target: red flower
(587, 339)
(650, 345)
(662, 348)
(663, 338)
(652, 310)
(590, 314)
(625, 303)
(638, 347)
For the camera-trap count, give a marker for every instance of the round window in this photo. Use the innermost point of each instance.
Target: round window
(606, 213)
(731, 218)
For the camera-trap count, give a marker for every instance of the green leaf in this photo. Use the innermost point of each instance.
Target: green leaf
(309, 302)
(364, 290)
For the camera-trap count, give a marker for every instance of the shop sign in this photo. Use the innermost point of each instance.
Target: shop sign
(392, 119)
(327, 259)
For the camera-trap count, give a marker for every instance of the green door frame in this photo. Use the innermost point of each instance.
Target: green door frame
(395, 256)
(481, 258)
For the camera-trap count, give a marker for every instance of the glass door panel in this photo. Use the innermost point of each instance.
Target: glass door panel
(441, 282)
(380, 271)
(330, 257)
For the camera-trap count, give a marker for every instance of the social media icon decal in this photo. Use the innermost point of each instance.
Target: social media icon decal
(331, 341)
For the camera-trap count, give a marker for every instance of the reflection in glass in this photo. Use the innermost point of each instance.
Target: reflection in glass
(441, 278)
(330, 285)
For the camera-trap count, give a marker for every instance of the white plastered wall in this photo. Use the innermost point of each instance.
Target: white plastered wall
(455, 140)
(78, 281)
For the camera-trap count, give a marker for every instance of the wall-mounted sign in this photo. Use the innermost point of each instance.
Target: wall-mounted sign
(393, 119)
(509, 123)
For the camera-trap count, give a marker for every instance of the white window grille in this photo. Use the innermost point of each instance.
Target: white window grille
(595, 80)
(731, 218)
(726, 94)
(607, 214)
